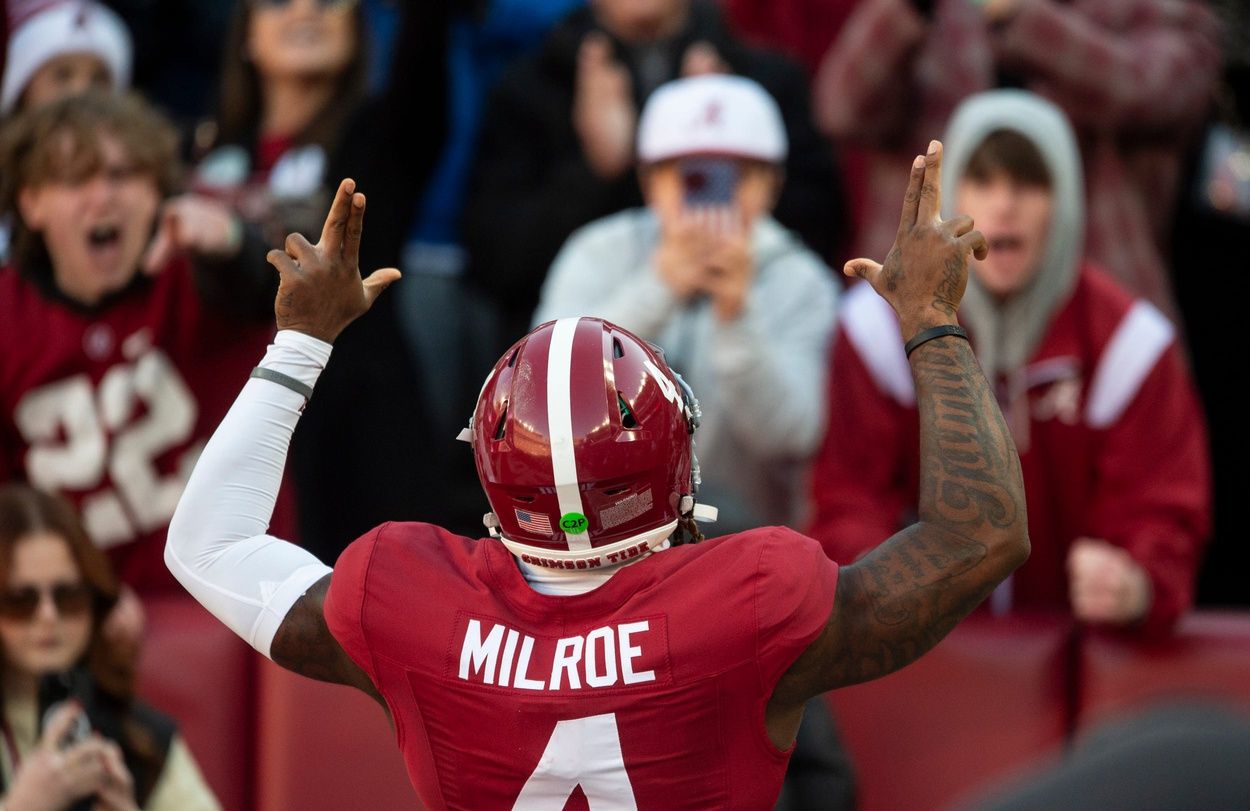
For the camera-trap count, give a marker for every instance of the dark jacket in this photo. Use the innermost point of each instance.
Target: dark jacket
(367, 449)
(532, 186)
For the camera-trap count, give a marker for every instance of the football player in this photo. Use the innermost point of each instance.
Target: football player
(589, 649)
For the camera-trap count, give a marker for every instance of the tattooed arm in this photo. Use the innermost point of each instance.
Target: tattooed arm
(899, 600)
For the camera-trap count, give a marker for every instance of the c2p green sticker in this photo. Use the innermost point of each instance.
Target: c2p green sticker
(573, 523)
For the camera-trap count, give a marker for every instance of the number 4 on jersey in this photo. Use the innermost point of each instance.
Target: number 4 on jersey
(585, 752)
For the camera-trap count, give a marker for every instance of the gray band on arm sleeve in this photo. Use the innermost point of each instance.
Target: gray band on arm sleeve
(291, 383)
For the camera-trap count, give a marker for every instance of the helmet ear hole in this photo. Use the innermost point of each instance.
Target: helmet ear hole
(503, 421)
(618, 351)
(628, 420)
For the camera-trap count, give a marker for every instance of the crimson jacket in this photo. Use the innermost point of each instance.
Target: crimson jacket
(1113, 444)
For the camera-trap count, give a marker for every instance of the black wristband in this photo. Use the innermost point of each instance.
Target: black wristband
(283, 380)
(926, 335)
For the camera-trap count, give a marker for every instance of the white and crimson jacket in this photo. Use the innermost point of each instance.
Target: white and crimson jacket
(1110, 432)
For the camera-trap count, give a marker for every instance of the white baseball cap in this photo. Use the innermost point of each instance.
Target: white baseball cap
(711, 115)
(65, 28)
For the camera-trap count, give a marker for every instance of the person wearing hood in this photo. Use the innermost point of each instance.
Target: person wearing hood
(1096, 391)
(557, 140)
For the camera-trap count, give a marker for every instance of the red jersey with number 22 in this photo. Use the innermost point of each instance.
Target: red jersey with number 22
(646, 693)
(111, 407)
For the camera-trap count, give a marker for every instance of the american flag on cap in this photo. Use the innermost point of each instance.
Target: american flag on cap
(534, 522)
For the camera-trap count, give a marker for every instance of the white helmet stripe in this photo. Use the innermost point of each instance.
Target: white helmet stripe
(560, 426)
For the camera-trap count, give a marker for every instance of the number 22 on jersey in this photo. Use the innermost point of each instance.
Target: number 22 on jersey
(79, 434)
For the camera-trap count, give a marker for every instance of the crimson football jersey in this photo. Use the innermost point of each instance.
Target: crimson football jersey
(111, 406)
(647, 693)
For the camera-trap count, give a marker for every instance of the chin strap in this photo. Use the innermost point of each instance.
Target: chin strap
(705, 513)
(600, 557)
(701, 512)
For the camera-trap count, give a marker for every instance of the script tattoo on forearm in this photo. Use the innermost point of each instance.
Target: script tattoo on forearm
(920, 583)
(901, 598)
(969, 475)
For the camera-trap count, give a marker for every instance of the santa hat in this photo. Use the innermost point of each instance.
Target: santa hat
(59, 29)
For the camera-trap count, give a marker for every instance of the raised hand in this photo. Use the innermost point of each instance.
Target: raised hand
(680, 258)
(926, 271)
(730, 271)
(193, 224)
(604, 114)
(321, 291)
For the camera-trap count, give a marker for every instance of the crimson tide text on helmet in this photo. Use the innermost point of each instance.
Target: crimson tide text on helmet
(583, 439)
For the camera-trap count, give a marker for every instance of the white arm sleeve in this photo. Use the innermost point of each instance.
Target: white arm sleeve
(217, 546)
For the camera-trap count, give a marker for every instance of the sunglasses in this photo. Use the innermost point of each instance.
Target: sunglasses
(70, 599)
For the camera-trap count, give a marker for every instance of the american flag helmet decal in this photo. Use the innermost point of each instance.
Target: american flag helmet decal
(534, 522)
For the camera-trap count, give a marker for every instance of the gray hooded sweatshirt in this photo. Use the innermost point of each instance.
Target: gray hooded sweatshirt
(760, 379)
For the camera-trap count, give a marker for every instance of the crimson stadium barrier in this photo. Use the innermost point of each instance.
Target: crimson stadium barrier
(198, 671)
(325, 746)
(993, 698)
(979, 706)
(1208, 659)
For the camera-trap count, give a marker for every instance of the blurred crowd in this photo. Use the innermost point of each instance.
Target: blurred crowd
(697, 172)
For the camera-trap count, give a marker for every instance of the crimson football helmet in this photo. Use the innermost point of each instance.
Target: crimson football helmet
(584, 443)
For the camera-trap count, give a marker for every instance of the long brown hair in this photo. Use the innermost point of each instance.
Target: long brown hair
(239, 104)
(25, 511)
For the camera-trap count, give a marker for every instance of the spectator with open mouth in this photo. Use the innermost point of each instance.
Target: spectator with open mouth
(1091, 379)
(122, 308)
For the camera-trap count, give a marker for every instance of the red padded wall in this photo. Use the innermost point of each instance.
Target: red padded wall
(193, 668)
(325, 746)
(1209, 657)
(988, 700)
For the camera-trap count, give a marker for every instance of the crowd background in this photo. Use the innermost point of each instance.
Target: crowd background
(499, 140)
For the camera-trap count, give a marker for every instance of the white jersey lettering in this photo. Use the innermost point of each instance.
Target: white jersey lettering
(478, 654)
(630, 652)
(492, 653)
